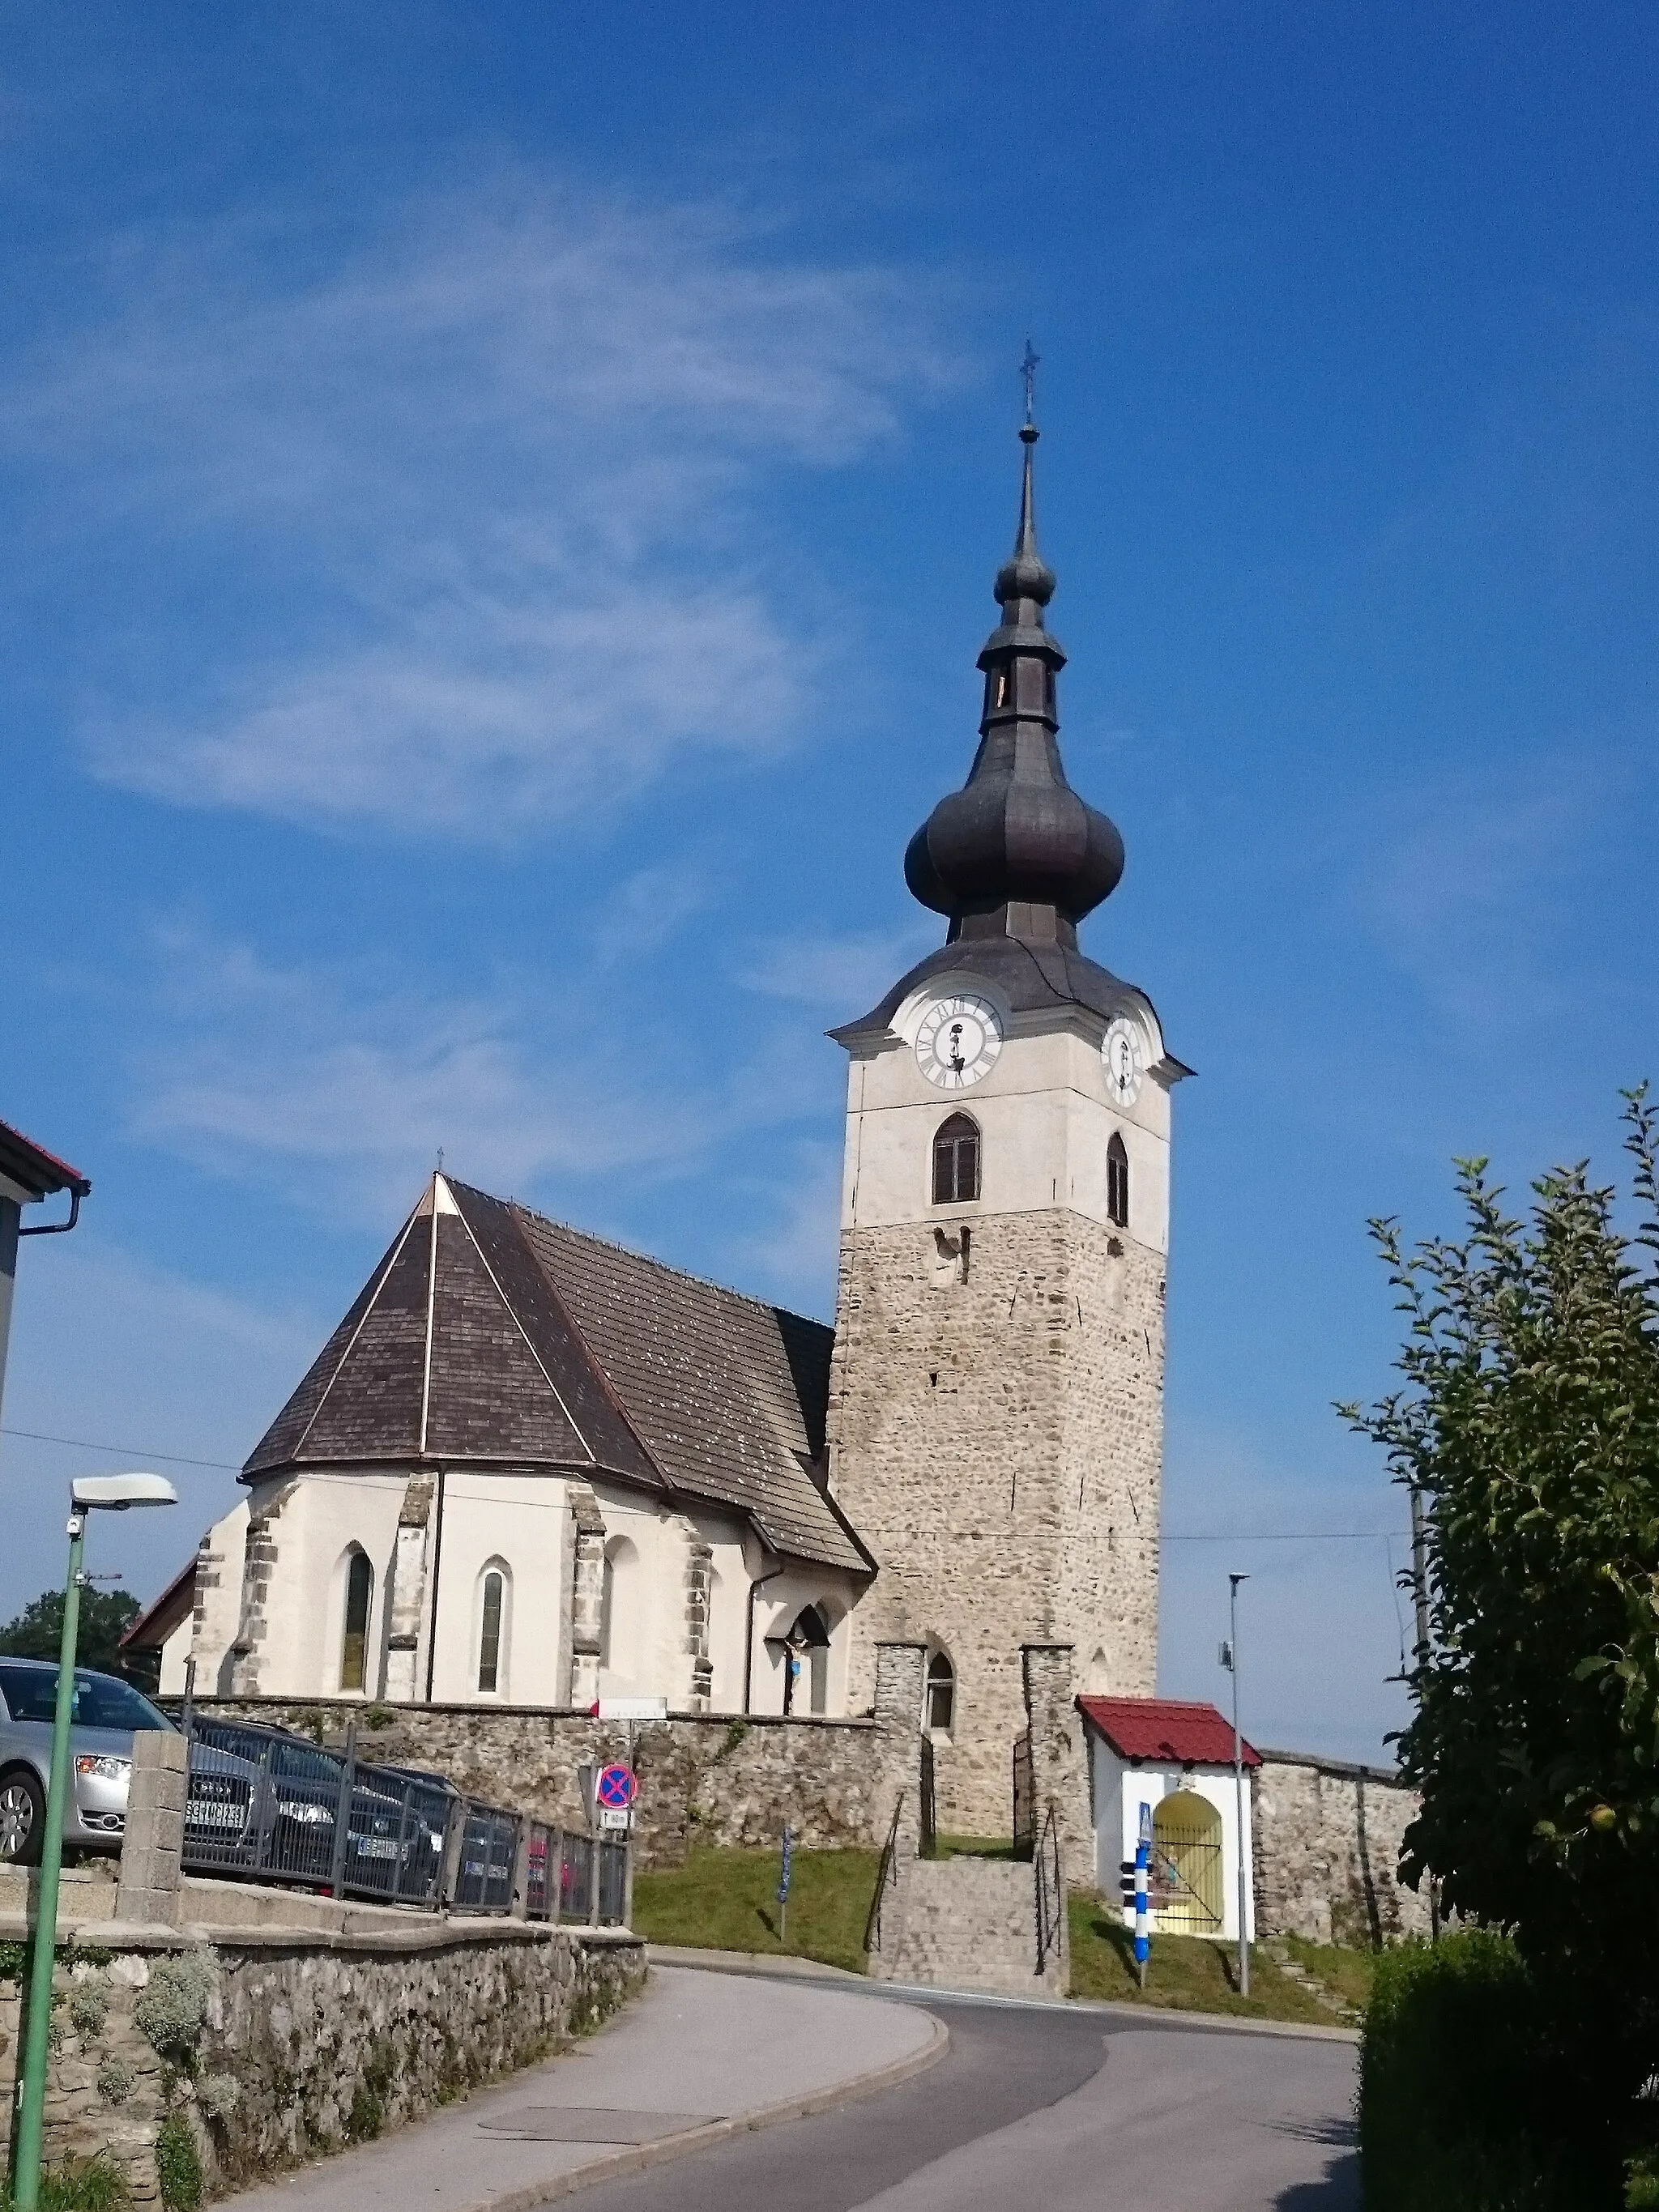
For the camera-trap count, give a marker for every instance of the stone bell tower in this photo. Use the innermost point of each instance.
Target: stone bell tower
(996, 1407)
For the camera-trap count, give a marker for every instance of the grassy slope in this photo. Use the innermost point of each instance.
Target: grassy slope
(724, 1901)
(728, 1901)
(1185, 1974)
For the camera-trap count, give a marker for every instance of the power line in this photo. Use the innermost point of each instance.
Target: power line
(122, 1451)
(1287, 1536)
(1171, 1536)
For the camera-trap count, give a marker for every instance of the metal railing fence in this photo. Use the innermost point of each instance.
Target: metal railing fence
(274, 1807)
(268, 1807)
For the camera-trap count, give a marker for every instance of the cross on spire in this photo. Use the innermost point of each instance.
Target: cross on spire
(1028, 369)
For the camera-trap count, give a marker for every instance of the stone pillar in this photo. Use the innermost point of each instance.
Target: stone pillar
(406, 1605)
(1059, 1768)
(259, 1570)
(699, 1590)
(901, 1674)
(587, 1593)
(152, 1846)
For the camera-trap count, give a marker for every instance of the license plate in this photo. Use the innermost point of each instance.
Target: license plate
(374, 1847)
(203, 1815)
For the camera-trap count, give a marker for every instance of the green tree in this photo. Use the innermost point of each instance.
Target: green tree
(106, 1615)
(1528, 1419)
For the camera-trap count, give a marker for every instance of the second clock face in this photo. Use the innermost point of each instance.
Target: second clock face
(958, 1042)
(1123, 1056)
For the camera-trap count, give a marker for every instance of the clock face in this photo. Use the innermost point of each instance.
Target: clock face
(1123, 1056)
(958, 1042)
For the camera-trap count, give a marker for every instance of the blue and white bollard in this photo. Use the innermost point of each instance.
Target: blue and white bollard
(1143, 1860)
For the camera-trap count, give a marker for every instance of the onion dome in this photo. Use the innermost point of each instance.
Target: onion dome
(1015, 853)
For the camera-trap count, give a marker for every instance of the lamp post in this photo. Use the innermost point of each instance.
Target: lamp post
(1229, 1661)
(113, 1493)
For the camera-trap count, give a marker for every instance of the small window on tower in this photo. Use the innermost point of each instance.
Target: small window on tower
(1002, 688)
(956, 1161)
(1117, 1183)
(941, 1694)
(1049, 689)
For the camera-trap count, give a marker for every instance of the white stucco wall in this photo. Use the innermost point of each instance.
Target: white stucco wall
(522, 1525)
(516, 1524)
(1119, 1791)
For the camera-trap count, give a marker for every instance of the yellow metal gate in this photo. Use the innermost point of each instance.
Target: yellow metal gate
(1185, 1883)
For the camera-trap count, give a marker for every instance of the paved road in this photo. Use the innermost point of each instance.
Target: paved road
(1072, 2111)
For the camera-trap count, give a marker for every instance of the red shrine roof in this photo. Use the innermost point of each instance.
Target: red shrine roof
(1167, 1730)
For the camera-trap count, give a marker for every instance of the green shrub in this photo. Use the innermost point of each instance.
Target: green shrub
(116, 2080)
(88, 2008)
(96, 2184)
(178, 2168)
(173, 2010)
(1460, 2107)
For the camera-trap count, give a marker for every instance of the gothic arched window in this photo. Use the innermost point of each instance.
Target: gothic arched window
(941, 1698)
(956, 1160)
(1117, 1183)
(492, 1624)
(354, 1640)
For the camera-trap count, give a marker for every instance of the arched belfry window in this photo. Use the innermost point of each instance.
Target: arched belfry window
(940, 1702)
(956, 1160)
(1117, 1183)
(353, 1637)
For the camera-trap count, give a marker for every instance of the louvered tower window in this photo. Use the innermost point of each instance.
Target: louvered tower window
(1117, 1183)
(956, 1161)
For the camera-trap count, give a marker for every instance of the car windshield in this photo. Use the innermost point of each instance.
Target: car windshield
(101, 1702)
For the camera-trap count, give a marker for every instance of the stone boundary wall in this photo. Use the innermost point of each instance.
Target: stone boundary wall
(1328, 1843)
(704, 1778)
(256, 2048)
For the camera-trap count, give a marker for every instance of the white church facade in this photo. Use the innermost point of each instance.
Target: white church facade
(531, 1467)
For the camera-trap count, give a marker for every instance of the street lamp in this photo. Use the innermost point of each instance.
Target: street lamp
(1229, 1661)
(88, 1493)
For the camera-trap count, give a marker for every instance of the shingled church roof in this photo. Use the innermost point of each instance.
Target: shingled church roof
(488, 1335)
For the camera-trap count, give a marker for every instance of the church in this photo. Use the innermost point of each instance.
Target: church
(533, 1468)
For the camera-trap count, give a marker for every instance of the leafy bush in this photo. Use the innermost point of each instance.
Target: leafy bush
(116, 2080)
(178, 2168)
(96, 2184)
(88, 2008)
(173, 2010)
(219, 2094)
(1528, 1424)
(1460, 2102)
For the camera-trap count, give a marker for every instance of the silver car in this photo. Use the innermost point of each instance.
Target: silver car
(106, 1714)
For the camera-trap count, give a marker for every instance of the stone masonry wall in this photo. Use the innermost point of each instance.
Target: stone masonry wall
(1327, 1841)
(997, 1443)
(260, 2050)
(703, 1778)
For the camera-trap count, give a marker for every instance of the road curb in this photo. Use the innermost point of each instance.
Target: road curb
(766, 1966)
(639, 2158)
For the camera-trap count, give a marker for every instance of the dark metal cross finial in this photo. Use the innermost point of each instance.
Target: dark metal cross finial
(1028, 369)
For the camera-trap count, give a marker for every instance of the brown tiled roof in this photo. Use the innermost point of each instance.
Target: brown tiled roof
(729, 1394)
(488, 1335)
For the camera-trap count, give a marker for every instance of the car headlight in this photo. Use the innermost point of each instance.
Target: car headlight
(105, 1768)
(307, 1816)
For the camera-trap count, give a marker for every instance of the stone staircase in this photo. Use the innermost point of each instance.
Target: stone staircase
(997, 1925)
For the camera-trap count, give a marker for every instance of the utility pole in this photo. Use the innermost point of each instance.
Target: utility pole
(1229, 1661)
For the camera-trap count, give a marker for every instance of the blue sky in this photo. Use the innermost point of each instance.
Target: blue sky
(500, 511)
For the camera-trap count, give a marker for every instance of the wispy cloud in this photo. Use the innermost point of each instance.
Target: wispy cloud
(355, 1081)
(472, 509)
(844, 972)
